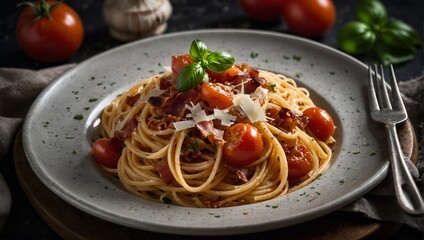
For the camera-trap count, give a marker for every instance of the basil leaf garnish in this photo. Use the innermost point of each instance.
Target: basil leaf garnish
(219, 61)
(190, 76)
(198, 51)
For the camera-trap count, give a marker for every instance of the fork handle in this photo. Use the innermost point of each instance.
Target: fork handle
(407, 192)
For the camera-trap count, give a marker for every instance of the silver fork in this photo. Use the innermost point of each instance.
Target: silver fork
(387, 107)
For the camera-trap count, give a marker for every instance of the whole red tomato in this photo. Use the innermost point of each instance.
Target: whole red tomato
(49, 31)
(107, 151)
(262, 10)
(299, 162)
(320, 122)
(243, 145)
(309, 18)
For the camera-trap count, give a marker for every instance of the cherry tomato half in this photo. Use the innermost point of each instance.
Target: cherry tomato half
(309, 18)
(178, 62)
(262, 10)
(243, 145)
(49, 39)
(215, 95)
(299, 162)
(320, 122)
(107, 152)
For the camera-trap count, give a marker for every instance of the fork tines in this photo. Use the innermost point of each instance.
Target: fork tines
(387, 97)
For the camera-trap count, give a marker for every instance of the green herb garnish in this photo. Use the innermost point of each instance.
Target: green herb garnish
(254, 54)
(392, 40)
(272, 86)
(192, 74)
(194, 146)
(78, 117)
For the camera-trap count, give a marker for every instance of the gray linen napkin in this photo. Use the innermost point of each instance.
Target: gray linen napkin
(19, 87)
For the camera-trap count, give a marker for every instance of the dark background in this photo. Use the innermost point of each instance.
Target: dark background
(192, 14)
(24, 222)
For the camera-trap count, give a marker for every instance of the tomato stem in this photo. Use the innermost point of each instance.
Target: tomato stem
(43, 9)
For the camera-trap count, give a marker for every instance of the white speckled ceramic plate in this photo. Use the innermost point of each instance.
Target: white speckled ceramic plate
(58, 145)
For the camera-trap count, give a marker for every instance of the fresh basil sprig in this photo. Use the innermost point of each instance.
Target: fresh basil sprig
(193, 74)
(392, 40)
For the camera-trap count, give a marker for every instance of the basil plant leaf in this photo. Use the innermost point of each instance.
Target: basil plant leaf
(403, 29)
(190, 76)
(398, 39)
(356, 38)
(219, 61)
(387, 55)
(371, 12)
(198, 51)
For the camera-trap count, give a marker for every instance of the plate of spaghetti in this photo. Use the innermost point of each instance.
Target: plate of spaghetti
(208, 132)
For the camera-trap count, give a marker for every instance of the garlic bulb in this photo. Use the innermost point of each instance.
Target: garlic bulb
(133, 19)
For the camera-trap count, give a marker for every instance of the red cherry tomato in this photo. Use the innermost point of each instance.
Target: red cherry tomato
(299, 162)
(179, 62)
(49, 39)
(107, 152)
(215, 95)
(320, 122)
(262, 10)
(309, 18)
(243, 145)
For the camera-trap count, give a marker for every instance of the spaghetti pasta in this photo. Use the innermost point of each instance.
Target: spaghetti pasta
(167, 156)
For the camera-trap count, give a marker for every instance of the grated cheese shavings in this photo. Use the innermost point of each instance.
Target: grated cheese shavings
(252, 109)
(260, 93)
(198, 115)
(226, 119)
(181, 125)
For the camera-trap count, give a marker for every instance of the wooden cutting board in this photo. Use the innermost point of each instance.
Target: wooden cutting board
(72, 223)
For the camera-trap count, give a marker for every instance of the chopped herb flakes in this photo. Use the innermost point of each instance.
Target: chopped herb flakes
(92, 100)
(297, 58)
(271, 206)
(78, 117)
(253, 54)
(272, 86)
